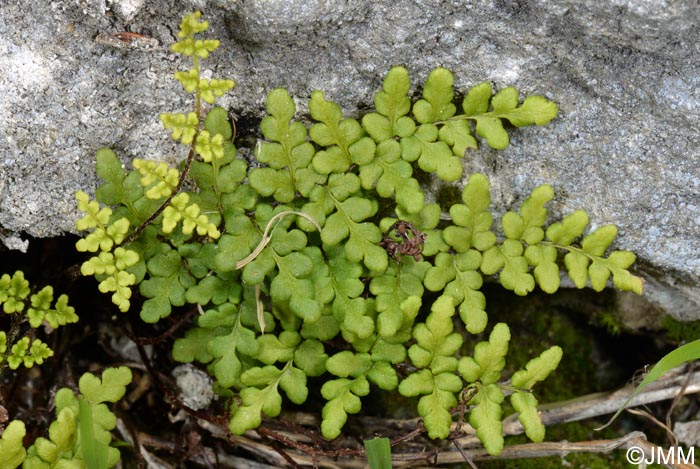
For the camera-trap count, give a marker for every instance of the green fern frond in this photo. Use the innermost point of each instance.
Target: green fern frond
(330, 239)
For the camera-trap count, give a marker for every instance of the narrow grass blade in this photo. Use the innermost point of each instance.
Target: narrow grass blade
(683, 354)
(378, 453)
(94, 452)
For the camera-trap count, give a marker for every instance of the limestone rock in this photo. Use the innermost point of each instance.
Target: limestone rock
(195, 386)
(625, 75)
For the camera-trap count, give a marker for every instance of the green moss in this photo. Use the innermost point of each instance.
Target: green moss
(609, 321)
(681, 331)
(539, 322)
(540, 325)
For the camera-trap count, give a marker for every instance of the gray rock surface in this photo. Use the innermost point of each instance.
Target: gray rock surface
(626, 75)
(196, 390)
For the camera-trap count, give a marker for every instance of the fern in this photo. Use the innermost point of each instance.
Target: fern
(37, 310)
(79, 437)
(328, 238)
(11, 446)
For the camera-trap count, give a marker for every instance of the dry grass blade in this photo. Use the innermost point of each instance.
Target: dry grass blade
(259, 309)
(267, 235)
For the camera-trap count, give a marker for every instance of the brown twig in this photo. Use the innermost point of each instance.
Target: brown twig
(464, 455)
(671, 436)
(648, 416)
(275, 444)
(171, 330)
(540, 450)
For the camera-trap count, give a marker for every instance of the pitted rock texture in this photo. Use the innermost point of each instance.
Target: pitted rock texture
(626, 75)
